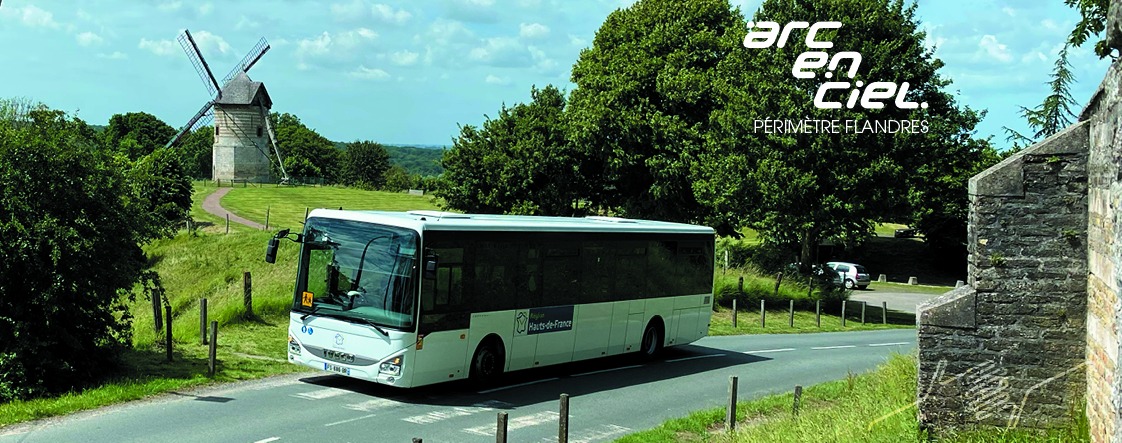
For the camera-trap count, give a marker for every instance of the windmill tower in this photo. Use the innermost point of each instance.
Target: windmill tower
(240, 112)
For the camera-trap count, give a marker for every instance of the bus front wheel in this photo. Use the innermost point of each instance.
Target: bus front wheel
(652, 341)
(487, 363)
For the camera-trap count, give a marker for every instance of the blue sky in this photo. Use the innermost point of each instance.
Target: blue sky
(410, 72)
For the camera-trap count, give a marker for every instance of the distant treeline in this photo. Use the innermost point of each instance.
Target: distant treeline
(423, 161)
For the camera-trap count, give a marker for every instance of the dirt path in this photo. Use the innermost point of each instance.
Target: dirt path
(212, 204)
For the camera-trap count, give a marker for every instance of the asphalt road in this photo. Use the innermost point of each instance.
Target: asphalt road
(897, 301)
(608, 398)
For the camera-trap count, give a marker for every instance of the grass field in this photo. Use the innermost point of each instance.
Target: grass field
(286, 205)
(874, 407)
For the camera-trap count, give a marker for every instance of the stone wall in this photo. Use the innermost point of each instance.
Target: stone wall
(1008, 348)
(1104, 256)
(239, 152)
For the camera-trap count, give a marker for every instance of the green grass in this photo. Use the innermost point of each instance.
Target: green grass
(286, 205)
(903, 287)
(778, 321)
(874, 407)
(888, 229)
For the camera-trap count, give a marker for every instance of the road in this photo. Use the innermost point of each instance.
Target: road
(897, 301)
(608, 398)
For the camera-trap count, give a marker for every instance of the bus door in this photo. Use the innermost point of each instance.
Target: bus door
(444, 320)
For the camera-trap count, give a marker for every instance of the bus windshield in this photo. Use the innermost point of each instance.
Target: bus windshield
(358, 272)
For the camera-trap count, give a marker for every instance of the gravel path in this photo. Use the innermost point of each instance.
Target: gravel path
(213, 205)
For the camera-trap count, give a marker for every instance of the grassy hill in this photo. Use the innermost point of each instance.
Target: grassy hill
(286, 205)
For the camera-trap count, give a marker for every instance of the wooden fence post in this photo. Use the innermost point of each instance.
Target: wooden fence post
(563, 423)
(212, 360)
(247, 294)
(500, 429)
(778, 281)
(798, 399)
(734, 313)
(227, 223)
(157, 313)
(884, 312)
(791, 318)
(267, 209)
(168, 324)
(202, 320)
(730, 412)
(306, 212)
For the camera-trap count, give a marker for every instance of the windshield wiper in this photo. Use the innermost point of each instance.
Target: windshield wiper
(309, 314)
(371, 323)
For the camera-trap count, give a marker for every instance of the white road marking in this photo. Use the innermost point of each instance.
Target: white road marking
(517, 385)
(372, 405)
(834, 347)
(516, 423)
(349, 420)
(892, 344)
(607, 370)
(321, 394)
(267, 440)
(600, 433)
(459, 411)
(765, 351)
(695, 357)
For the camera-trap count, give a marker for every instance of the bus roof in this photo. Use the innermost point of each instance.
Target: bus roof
(450, 221)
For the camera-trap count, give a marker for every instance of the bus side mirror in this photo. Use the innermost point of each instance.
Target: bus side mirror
(430, 266)
(271, 251)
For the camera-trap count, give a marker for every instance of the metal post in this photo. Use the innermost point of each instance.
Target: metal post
(267, 218)
(818, 313)
(168, 336)
(202, 320)
(791, 318)
(227, 223)
(563, 423)
(843, 313)
(247, 294)
(763, 314)
(730, 413)
(798, 399)
(863, 312)
(500, 429)
(884, 312)
(212, 361)
(306, 212)
(157, 314)
(734, 313)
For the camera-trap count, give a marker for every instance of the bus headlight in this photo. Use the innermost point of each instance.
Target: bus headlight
(293, 345)
(392, 366)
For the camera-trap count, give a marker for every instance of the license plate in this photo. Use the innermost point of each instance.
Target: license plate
(336, 369)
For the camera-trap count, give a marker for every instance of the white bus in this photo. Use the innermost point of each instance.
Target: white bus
(421, 297)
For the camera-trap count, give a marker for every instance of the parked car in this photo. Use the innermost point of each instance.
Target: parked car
(905, 233)
(853, 275)
(822, 273)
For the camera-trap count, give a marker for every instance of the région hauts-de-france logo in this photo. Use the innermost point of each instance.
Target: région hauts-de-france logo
(765, 34)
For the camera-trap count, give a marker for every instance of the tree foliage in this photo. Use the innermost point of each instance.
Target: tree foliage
(517, 163)
(799, 187)
(162, 189)
(1092, 23)
(364, 165)
(1054, 113)
(196, 151)
(72, 228)
(306, 153)
(646, 94)
(136, 134)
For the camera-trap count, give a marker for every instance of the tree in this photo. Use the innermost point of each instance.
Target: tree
(196, 152)
(71, 252)
(364, 165)
(799, 187)
(646, 93)
(1054, 113)
(162, 189)
(396, 179)
(306, 153)
(136, 134)
(517, 163)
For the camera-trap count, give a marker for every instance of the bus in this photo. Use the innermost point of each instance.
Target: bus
(421, 297)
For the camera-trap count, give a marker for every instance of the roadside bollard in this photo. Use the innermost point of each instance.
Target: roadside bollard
(563, 420)
(763, 314)
(843, 313)
(884, 312)
(730, 413)
(500, 428)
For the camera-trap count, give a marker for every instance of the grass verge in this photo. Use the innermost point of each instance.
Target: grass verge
(914, 289)
(779, 321)
(286, 205)
(874, 407)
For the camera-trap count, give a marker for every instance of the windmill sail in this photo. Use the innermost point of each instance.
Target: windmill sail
(197, 60)
(248, 61)
(199, 118)
(273, 141)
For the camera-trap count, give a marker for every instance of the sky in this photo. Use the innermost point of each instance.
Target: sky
(400, 72)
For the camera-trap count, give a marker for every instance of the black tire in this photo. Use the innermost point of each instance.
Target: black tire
(487, 363)
(863, 287)
(651, 345)
(849, 284)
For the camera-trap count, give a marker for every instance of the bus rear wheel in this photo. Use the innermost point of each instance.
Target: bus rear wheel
(652, 341)
(487, 363)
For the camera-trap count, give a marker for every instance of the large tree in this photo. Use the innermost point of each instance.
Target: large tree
(364, 164)
(72, 228)
(196, 152)
(798, 188)
(136, 134)
(517, 163)
(306, 153)
(646, 93)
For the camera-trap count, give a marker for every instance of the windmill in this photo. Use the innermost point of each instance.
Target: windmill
(240, 112)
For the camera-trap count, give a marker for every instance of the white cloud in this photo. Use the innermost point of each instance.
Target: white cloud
(355, 10)
(116, 55)
(341, 46)
(31, 16)
(502, 52)
(533, 30)
(1009, 11)
(496, 80)
(88, 39)
(364, 73)
(577, 41)
(159, 47)
(170, 6)
(388, 14)
(246, 22)
(205, 8)
(988, 46)
(1049, 24)
(210, 43)
(404, 58)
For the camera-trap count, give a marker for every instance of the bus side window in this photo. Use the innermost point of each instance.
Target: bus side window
(561, 265)
(529, 279)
